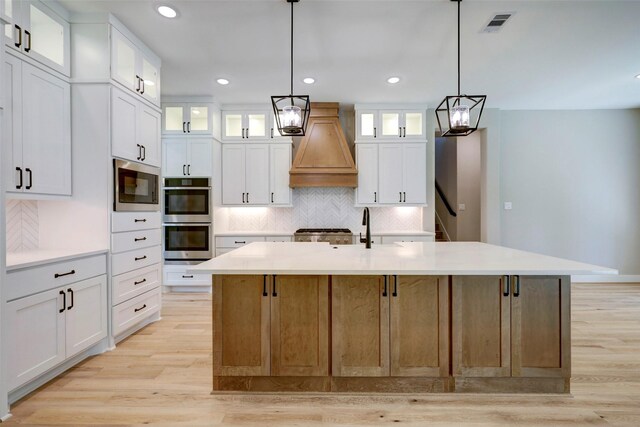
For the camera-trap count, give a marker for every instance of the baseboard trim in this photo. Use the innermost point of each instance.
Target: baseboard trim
(5, 418)
(607, 278)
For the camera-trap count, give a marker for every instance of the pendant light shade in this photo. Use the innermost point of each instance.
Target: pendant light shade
(459, 115)
(291, 111)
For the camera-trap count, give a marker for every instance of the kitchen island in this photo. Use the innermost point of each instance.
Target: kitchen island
(409, 317)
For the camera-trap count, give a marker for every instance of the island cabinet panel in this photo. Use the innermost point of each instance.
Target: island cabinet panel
(481, 319)
(541, 330)
(419, 330)
(300, 326)
(360, 326)
(241, 317)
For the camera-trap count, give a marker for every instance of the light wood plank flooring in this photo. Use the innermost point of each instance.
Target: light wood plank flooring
(162, 375)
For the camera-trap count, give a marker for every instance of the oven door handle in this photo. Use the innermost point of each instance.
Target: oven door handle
(182, 224)
(187, 188)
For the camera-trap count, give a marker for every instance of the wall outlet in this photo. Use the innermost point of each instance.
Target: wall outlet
(507, 206)
(461, 207)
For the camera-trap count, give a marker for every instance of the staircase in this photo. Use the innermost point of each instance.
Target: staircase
(440, 237)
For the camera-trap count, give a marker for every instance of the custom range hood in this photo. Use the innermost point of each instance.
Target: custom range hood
(323, 158)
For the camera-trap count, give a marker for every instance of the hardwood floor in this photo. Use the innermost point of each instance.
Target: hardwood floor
(162, 375)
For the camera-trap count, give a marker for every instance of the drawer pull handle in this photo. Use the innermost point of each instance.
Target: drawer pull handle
(140, 220)
(187, 276)
(55, 276)
(140, 258)
(137, 283)
(138, 239)
(135, 310)
(237, 242)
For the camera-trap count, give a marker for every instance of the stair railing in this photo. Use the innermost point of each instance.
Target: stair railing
(445, 201)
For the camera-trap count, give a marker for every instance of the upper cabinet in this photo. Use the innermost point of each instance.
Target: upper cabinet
(246, 125)
(187, 157)
(398, 124)
(187, 119)
(37, 128)
(38, 32)
(134, 69)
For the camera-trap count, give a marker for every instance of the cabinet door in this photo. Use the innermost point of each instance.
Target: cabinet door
(480, 327)
(413, 124)
(280, 164)
(367, 158)
(149, 137)
(123, 60)
(46, 132)
(199, 119)
(419, 332)
(232, 125)
(256, 124)
(414, 179)
(174, 160)
(48, 40)
(173, 119)
(367, 124)
(257, 174)
(86, 321)
(541, 326)
(150, 74)
(12, 122)
(300, 326)
(241, 325)
(124, 126)
(35, 336)
(390, 174)
(360, 326)
(390, 122)
(200, 160)
(233, 167)
(11, 14)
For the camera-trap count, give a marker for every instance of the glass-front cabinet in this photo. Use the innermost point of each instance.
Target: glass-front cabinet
(187, 118)
(38, 32)
(246, 125)
(393, 124)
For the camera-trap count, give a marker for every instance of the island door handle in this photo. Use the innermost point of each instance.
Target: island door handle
(516, 290)
(64, 302)
(275, 293)
(384, 292)
(395, 286)
(264, 286)
(507, 286)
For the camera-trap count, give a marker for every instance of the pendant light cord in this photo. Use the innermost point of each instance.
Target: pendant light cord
(459, 1)
(291, 93)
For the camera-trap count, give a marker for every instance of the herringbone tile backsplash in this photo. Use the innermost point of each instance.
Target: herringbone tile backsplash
(22, 225)
(323, 208)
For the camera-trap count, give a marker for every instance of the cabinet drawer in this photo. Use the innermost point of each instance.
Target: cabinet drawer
(130, 221)
(393, 239)
(132, 260)
(176, 275)
(122, 242)
(29, 281)
(135, 310)
(222, 251)
(134, 283)
(279, 238)
(236, 241)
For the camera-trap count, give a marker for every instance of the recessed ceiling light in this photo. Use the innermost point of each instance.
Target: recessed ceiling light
(167, 11)
(393, 80)
(223, 81)
(638, 77)
(309, 80)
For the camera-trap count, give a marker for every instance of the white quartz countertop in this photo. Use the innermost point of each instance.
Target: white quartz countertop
(254, 233)
(290, 233)
(401, 233)
(17, 260)
(416, 258)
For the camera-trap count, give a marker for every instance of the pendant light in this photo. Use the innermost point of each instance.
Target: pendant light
(459, 115)
(291, 111)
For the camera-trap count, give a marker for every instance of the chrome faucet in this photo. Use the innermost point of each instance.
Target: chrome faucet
(366, 220)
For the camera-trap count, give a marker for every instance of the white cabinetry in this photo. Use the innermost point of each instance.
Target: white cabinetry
(245, 174)
(279, 166)
(61, 319)
(135, 129)
(225, 244)
(38, 130)
(176, 276)
(187, 119)
(133, 69)
(246, 125)
(38, 32)
(392, 174)
(391, 124)
(187, 157)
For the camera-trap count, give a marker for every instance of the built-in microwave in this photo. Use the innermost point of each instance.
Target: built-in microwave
(189, 241)
(187, 200)
(136, 187)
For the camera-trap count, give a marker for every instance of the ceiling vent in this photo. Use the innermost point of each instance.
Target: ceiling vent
(496, 22)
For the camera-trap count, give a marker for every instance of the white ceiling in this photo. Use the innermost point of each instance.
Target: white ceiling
(550, 55)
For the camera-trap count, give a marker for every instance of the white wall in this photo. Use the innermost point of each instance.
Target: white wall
(468, 191)
(446, 173)
(573, 178)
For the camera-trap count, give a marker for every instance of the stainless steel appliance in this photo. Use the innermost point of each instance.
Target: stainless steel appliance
(187, 242)
(335, 236)
(187, 200)
(136, 187)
